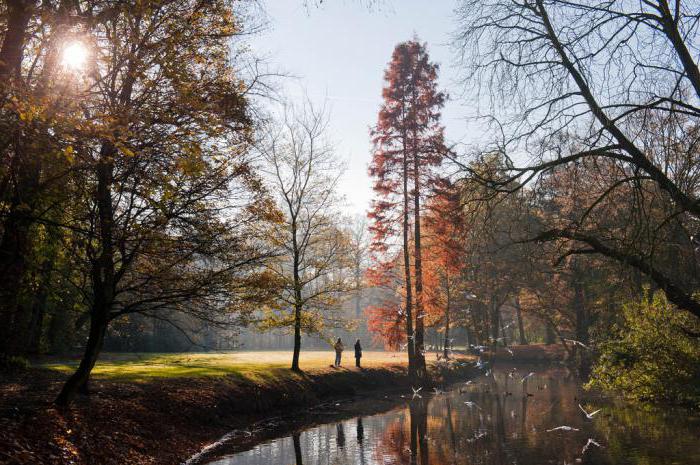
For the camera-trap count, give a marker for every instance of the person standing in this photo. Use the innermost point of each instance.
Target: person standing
(358, 353)
(338, 351)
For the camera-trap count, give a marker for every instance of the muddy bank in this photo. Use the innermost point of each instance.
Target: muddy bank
(167, 421)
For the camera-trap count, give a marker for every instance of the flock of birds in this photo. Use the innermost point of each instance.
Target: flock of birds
(513, 374)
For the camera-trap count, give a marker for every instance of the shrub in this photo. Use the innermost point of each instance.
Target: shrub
(652, 356)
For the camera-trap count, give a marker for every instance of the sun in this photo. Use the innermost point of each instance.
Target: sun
(74, 55)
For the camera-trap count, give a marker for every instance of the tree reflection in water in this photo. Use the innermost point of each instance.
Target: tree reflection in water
(505, 429)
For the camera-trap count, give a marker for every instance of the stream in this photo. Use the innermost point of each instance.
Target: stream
(496, 420)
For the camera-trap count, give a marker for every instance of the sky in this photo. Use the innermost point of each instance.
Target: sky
(336, 53)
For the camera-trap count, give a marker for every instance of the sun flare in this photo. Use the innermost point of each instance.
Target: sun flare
(74, 55)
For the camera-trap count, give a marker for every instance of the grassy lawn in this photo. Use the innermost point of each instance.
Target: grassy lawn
(260, 365)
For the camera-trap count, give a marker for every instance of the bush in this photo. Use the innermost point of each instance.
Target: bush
(651, 356)
(13, 363)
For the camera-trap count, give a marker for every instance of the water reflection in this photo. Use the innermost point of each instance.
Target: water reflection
(505, 423)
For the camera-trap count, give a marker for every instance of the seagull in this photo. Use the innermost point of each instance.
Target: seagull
(512, 373)
(510, 352)
(562, 428)
(469, 382)
(588, 444)
(415, 392)
(476, 437)
(471, 404)
(589, 415)
(577, 343)
(527, 376)
(488, 373)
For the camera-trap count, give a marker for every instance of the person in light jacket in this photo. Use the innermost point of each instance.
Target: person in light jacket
(338, 351)
(358, 353)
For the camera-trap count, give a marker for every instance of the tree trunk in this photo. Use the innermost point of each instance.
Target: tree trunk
(495, 319)
(420, 311)
(39, 309)
(410, 342)
(78, 380)
(447, 318)
(549, 334)
(298, 305)
(103, 278)
(14, 249)
(358, 291)
(297, 338)
(580, 310)
(519, 315)
(25, 170)
(19, 12)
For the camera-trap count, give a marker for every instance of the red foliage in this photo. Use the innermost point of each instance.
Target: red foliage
(408, 146)
(386, 322)
(443, 260)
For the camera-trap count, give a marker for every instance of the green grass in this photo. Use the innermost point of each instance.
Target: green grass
(254, 365)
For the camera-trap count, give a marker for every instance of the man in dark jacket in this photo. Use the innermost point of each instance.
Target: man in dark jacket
(358, 353)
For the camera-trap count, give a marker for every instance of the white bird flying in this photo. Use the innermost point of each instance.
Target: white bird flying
(577, 343)
(588, 415)
(589, 444)
(527, 376)
(471, 404)
(562, 428)
(416, 391)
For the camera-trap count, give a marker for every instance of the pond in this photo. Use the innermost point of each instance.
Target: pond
(496, 420)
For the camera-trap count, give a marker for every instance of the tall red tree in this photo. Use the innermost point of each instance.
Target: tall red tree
(445, 225)
(408, 145)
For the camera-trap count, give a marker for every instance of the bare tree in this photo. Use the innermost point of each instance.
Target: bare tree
(359, 245)
(611, 86)
(311, 270)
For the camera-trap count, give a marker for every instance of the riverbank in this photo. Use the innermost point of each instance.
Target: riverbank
(165, 420)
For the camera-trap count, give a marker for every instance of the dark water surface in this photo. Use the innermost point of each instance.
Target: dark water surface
(498, 429)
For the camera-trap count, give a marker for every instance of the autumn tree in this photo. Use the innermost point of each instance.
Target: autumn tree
(163, 182)
(313, 264)
(601, 84)
(38, 104)
(444, 263)
(408, 146)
